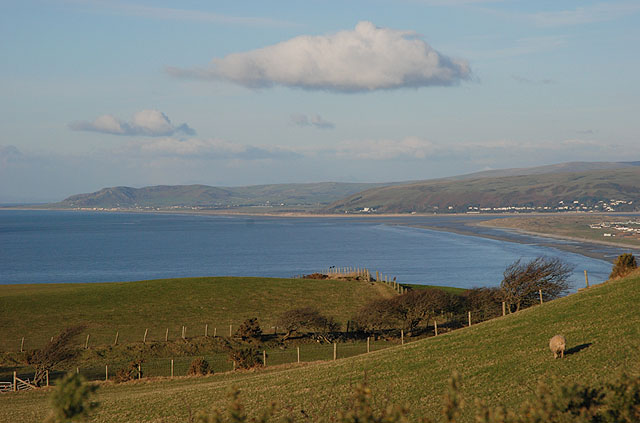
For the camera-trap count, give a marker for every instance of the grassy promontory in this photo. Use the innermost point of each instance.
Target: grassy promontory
(39, 311)
(501, 361)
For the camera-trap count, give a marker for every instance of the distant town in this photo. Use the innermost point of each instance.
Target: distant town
(628, 230)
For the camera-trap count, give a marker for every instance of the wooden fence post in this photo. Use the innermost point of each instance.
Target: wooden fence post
(377, 276)
(401, 336)
(172, 367)
(22, 344)
(166, 335)
(298, 354)
(230, 330)
(215, 332)
(264, 358)
(77, 370)
(139, 371)
(206, 330)
(335, 351)
(86, 343)
(15, 382)
(115, 342)
(435, 325)
(47, 374)
(106, 372)
(586, 278)
(469, 319)
(144, 338)
(368, 344)
(540, 292)
(504, 308)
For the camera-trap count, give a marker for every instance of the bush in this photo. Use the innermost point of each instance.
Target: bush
(522, 281)
(133, 371)
(624, 264)
(484, 302)
(70, 400)
(308, 319)
(250, 331)
(199, 367)
(245, 358)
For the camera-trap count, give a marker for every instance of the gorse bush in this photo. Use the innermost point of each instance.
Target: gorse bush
(250, 331)
(199, 367)
(245, 358)
(624, 264)
(71, 400)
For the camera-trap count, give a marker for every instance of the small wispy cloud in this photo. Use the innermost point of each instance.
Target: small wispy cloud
(9, 154)
(315, 121)
(167, 13)
(529, 81)
(599, 12)
(367, 58)
(151, 123)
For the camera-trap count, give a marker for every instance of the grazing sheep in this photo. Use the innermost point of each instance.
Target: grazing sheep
(557, 345)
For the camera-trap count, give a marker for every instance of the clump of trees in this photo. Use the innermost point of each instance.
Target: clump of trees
(250, 331)
(624, 264)
(523, 281)
(410, 311)
(306, 319)
(58, 351)
(486, 303)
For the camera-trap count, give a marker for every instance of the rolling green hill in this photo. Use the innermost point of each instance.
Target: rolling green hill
(164, 196)
(538, 190)
(37, 312)
(500, 361)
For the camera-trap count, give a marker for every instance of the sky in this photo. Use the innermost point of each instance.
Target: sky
(99, 93)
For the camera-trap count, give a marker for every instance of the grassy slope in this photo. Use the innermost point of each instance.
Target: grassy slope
(500, 361)
(39, 311)
(542, 189)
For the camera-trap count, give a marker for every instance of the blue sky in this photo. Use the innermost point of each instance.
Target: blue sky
(103, 93)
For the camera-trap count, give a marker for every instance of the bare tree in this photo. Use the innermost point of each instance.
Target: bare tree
(523, 280)
(306, 319)
(56, 352)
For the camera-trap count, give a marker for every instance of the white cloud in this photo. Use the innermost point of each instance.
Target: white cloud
(365, 59)
(152, 123)
(209, 149)
(316, 121)
(407, 148)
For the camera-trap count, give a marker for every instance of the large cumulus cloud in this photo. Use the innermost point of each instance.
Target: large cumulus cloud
(367, 58)
(152, 123)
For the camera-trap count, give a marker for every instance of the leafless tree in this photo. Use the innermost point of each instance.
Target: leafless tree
(523, 280)
(56, 352)
(306, 319)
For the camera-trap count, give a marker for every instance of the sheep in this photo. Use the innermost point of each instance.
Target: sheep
(557, 345)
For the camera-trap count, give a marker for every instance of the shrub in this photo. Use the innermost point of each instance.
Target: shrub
(484, 302)
(70, 400)
(199, 367)
(522, 281)
(624, 264)
(245, 358)
(250, 331)
(306, 318)
(133, 371)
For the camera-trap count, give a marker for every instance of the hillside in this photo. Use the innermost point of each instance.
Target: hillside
(132, 307)
(500, 361)
(164, 196)
(593, 190)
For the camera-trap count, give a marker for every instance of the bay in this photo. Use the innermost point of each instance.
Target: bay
(71, 246)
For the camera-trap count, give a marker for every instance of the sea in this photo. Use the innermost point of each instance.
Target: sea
(38, 246)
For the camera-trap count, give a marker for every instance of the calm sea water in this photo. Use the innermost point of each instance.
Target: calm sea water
(66, 246)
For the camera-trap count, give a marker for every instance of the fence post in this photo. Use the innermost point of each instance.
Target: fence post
(469, 319)
(540, 292)
(144, 338)
(115, 342)
(139, 371)
(377, 276)
(335, 351)
(298, 354)
(215, 332)
(504, 308)
(22, 344)
(586, 278)
(230, 330)
(106, 372)
(206, 330)
(402, 336)
(15, 382)
(166, 335)
(47, 374)
(264, 358)
(435, 325)
(86, 343)
(172, 367)
(368, 344)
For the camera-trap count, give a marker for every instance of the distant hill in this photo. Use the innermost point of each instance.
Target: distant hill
(591, 190)
(163, 196)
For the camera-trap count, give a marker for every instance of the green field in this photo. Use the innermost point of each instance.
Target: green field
(501, 361)
(38, 312)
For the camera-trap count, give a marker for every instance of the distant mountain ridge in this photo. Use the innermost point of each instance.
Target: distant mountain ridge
(611, 189)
